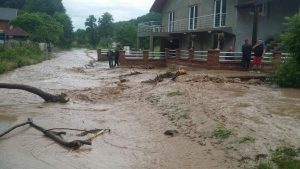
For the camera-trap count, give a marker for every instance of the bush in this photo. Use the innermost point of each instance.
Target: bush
(288, 74)
(11, 58)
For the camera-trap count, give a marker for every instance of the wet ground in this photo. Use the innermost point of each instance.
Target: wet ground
(138, 114)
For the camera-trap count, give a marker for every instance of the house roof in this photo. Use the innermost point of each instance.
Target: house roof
(8, 14)
(16, 31)
(158, 5)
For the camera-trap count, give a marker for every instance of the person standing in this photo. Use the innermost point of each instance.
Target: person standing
(117, 55)
(110, 58)
(246, 55)
(258, 50)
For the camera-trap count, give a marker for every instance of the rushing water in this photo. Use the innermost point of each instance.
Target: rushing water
(136, 139)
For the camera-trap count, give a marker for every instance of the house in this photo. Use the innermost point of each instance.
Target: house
(7, 31)
(216, 24)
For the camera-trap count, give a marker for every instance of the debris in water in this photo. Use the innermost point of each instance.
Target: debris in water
(161, 77)
(171, 133)
(57, 136)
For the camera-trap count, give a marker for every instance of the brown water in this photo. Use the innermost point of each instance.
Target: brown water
(99, 100)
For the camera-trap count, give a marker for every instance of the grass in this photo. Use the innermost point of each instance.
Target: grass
(285, 157)
(265, 165)
(247, 139)
(153, 99)
(222, 132)
(176, 93)
(12, 58)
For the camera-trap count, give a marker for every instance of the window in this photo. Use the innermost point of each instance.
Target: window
(171, 22)
(220, 13)
(193, 14)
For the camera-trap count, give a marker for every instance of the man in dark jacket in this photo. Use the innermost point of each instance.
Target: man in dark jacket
(117, 55)
(246, 57)
(110, 58)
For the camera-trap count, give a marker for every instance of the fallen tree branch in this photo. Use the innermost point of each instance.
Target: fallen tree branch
(62, 98)
(131, 74)
(57, 136)
(14, 127)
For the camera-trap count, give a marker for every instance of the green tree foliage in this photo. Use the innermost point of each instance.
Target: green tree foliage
(44, 6)
(91, 30)
(66, 38)
(152, 16)
(105, 25)
(18, 4)
(41, 27)
(125, 33)
(288, 73)
(80, 37)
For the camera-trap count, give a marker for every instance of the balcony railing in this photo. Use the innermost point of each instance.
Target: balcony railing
(185, 25)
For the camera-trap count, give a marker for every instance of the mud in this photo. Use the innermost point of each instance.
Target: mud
(138, 115)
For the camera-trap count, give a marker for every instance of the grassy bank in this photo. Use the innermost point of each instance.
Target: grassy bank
(15, 57)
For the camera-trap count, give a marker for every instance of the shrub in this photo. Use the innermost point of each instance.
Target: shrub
(288, 74)
(11, 58)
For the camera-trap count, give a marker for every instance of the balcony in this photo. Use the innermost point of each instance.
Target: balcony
(201, 23)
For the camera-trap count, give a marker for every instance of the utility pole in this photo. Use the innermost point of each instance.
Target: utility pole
(255, 23)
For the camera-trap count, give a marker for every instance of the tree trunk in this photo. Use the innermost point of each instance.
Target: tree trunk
(46, 96)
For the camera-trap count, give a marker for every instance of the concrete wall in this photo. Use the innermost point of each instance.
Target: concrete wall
(270, 26)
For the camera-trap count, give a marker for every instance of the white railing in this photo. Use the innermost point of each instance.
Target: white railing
(134, 55)
(284, 57)
(172, 54)
(202, 22)
(200, 55)
(237, 56)
(184, 54)
(152, 26)
(104, 51)
(157, 55)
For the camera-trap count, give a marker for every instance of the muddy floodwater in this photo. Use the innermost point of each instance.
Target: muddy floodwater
(139, 113)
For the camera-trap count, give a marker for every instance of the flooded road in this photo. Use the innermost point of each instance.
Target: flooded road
(138, 114)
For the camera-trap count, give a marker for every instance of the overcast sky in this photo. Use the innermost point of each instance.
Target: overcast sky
(121, 10)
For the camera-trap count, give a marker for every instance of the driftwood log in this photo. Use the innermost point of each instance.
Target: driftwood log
(57, 136)
(62, 98)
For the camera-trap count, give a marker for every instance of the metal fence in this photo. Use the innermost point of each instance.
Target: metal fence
(157, 55)
(186, 24)
(237, 56)
(200, 55)
(184, 54)
(172, 54)
(134, 55)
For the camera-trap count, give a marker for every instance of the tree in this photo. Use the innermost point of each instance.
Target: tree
(91, 30)
(105, 24)
(80, 37)
(18, 4)
(152, 16)
(125, 33)
(288, 73)
(66, 38)
(44, 6)
(41, 27)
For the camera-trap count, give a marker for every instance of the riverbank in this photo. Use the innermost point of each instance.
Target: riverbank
(16, 57)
